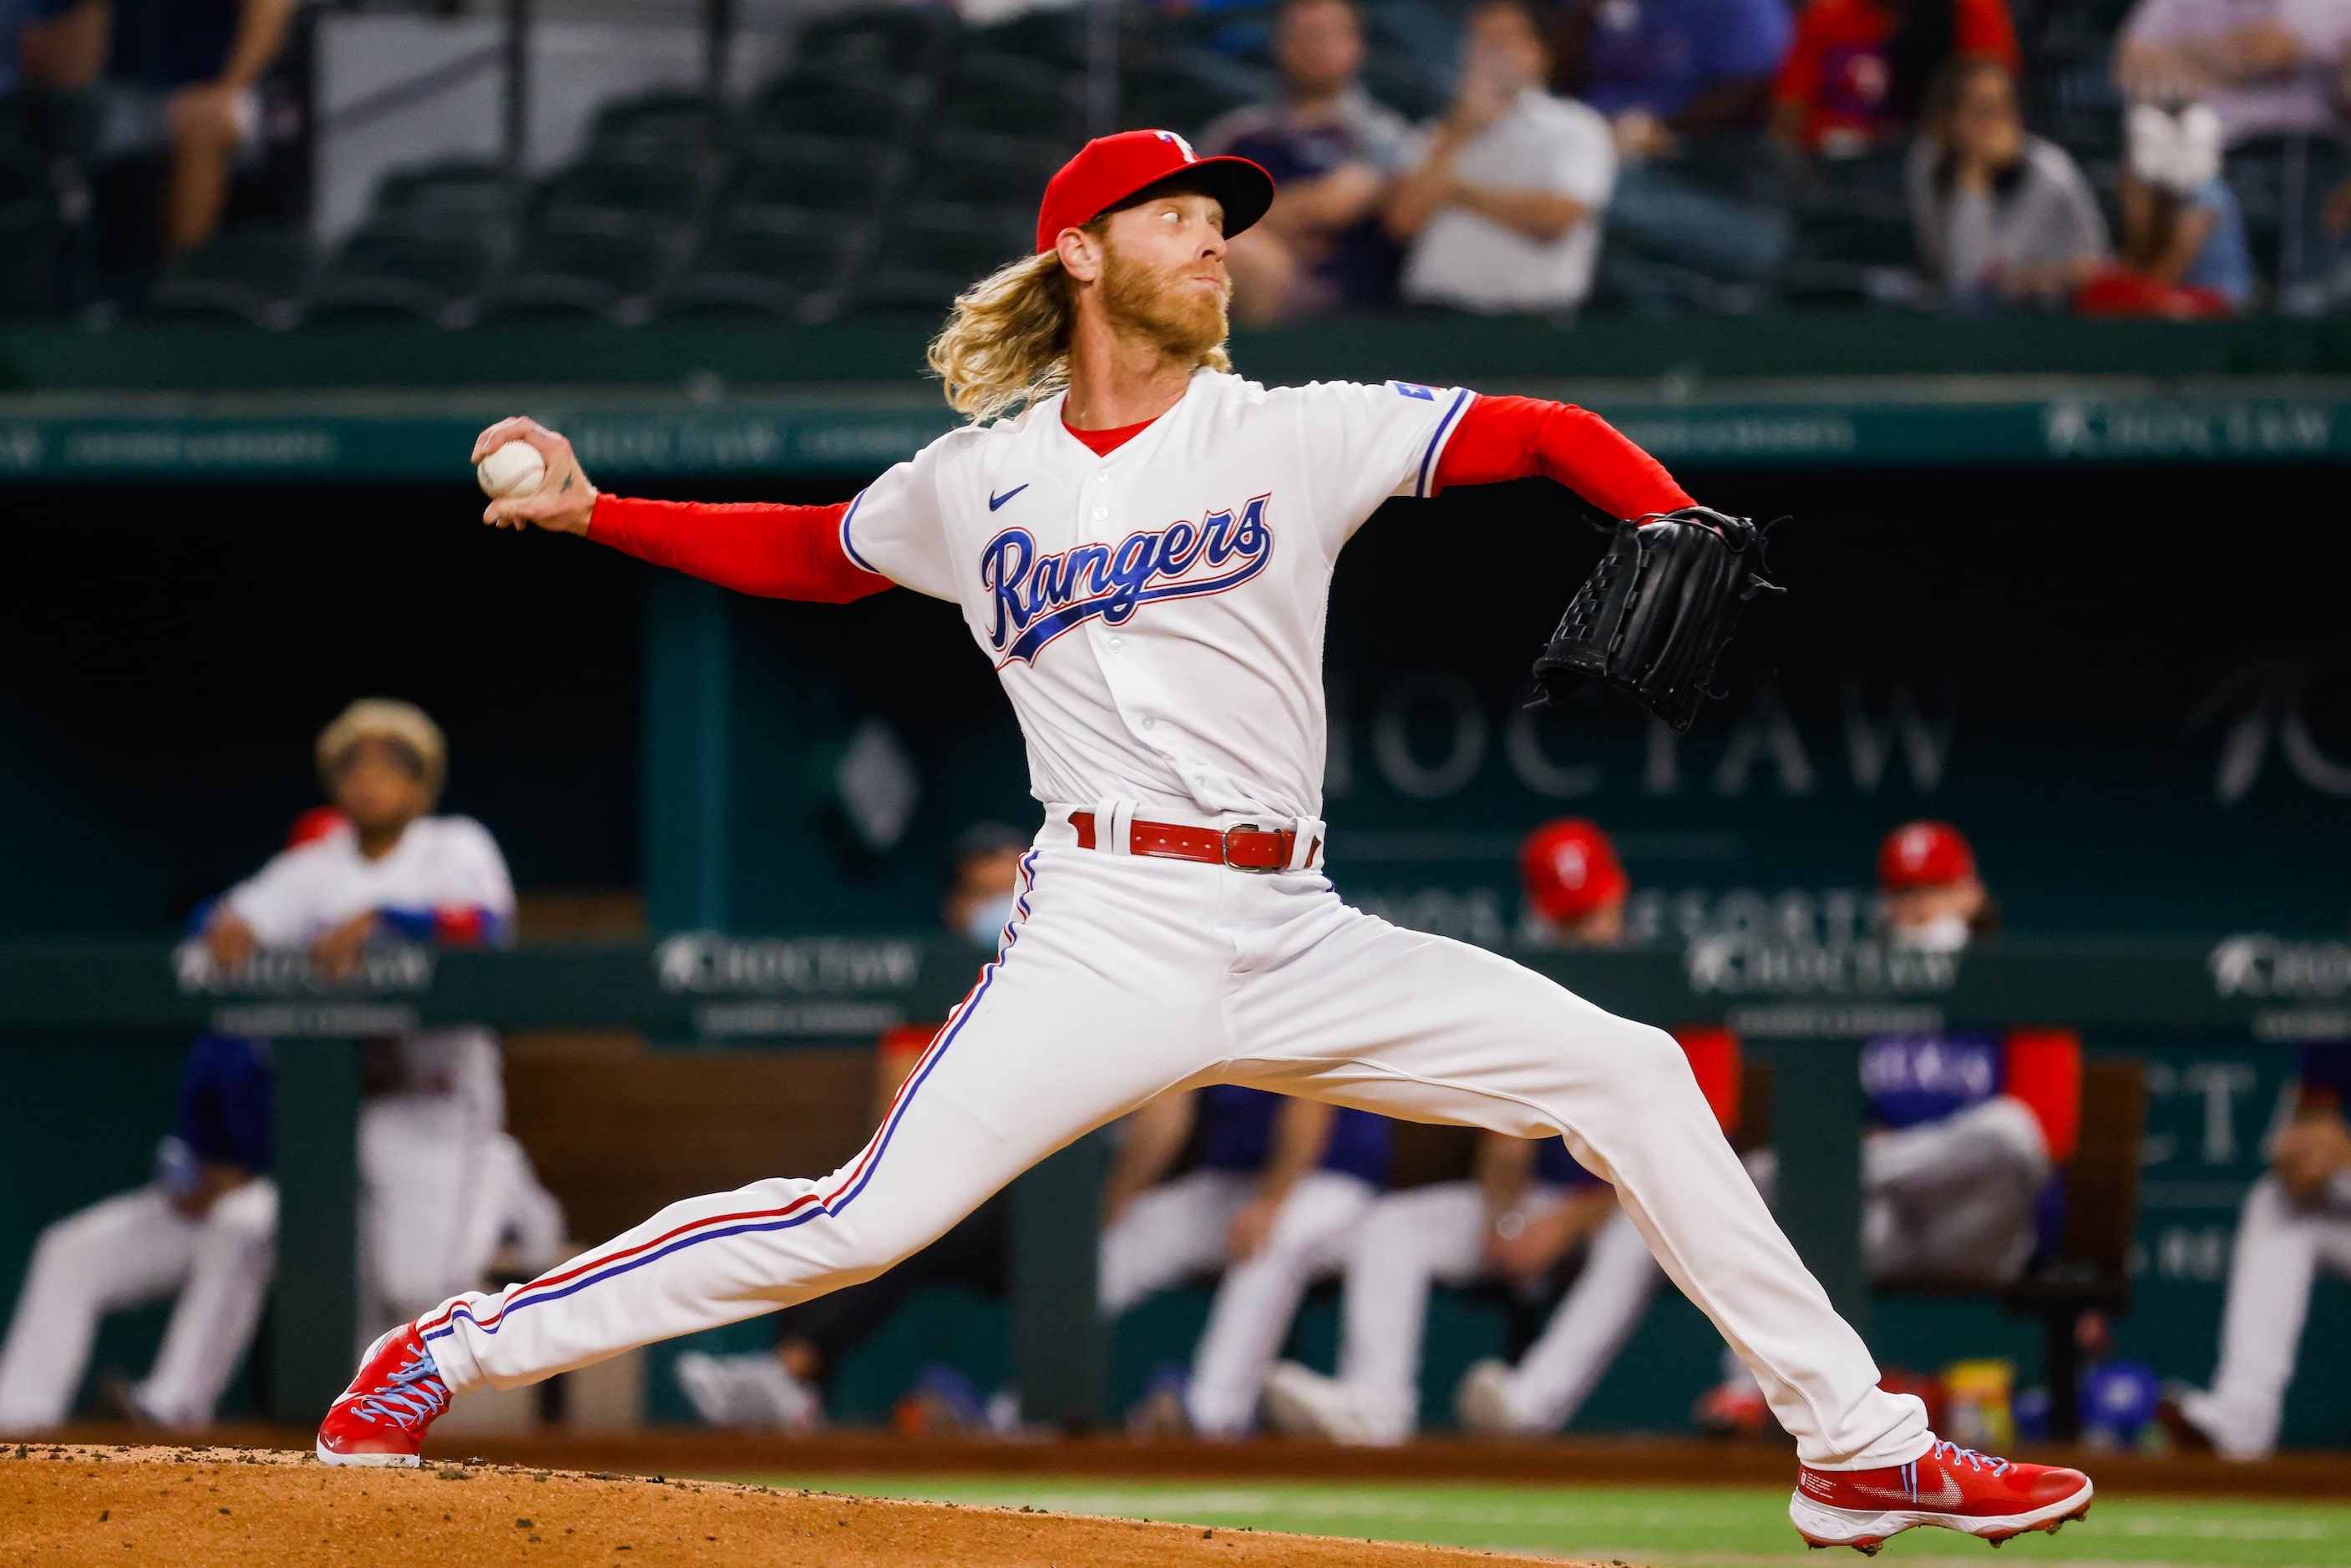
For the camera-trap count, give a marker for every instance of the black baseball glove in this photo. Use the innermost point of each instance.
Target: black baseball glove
(1658, 611)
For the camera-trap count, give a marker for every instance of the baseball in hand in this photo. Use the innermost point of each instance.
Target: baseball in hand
(514, 468)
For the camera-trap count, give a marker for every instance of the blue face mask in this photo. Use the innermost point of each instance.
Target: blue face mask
(987, 921)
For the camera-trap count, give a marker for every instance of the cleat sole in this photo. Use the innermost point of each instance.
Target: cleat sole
(1867, 1531)
(371, 1461)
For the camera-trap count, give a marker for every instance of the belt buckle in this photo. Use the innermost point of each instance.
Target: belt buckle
(1226, 843)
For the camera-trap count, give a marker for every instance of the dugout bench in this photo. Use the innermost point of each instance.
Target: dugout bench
(1803, 1008)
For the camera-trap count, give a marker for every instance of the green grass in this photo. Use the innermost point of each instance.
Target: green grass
(1672, 1527)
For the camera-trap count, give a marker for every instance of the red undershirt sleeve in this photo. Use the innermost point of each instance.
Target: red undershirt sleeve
(753, 547)
(1515, 438)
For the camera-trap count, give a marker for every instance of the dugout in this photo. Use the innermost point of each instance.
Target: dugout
(2040, 607)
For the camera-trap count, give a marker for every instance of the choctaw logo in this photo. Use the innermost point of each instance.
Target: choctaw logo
(1039, 598)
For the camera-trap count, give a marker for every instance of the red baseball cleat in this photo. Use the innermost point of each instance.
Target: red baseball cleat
(1948, 1487)
(381, 1418)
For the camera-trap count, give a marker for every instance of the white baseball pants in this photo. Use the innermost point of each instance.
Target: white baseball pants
(2280, 1246)
(1954, 1198)
(1122, 979)
(129, 1249)
(1427, 1236)
(1179, 1228)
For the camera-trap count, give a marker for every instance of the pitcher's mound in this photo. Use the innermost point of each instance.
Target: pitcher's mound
(188, 1507)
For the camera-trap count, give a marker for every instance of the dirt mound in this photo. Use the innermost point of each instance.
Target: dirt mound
(188, 1507)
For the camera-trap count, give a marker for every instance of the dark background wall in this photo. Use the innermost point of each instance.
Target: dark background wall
(2126, 684)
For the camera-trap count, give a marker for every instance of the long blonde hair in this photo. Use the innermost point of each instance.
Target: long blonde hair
(1007, 345)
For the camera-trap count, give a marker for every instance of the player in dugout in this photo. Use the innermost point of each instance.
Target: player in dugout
(1960, 1168)
(442, 1184)
(1529, 1208)
(2297, 1221)
(1277, 1190)
(784, 1388)
(205, 1228)
(1142, 545)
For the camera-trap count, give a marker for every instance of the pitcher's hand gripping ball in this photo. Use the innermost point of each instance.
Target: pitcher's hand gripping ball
(1657, 612)
(514, 468)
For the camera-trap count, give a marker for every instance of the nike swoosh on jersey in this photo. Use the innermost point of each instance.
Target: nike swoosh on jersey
(996, 500)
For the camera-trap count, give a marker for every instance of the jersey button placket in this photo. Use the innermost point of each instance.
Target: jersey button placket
(1125, 669)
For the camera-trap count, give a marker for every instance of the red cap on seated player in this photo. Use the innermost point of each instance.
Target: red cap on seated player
(1568, 868)
(1923, 855)
(1109, 171)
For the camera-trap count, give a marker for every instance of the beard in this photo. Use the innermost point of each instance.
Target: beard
(1183, 323)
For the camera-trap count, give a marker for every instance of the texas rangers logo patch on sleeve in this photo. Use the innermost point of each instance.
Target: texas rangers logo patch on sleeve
(1035, 599)
(1414, 389)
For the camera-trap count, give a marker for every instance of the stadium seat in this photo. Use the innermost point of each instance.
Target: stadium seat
(461, 189)
(990, 170)
(934, 251)
(1161, 100)
(651, 125)
(1853, 242)
(253, 273)
(48, 125)
(900, 39)
(763, 263)
(411, 269)
(585, 265)
(814, 102)
(28, 257)
(1007, 97)
(816, 173)
(1056, 39)
(2279, 181)
(672, 188)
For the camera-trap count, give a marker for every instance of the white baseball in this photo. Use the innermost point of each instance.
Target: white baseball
(514, 468)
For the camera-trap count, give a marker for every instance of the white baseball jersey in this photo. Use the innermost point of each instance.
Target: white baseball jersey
(1156, 615)
(309, 890)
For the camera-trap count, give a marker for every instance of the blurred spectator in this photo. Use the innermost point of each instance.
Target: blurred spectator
(1276, 1193)
(2183, 235)
(1859, 70)
(205, 1229)
(442, 1184)
(1333, 152)
(1664, 69)
(784, 1388)
(179, 77)
(1503, 212)
(2297, 1221)
(1686, 85)
(2001, 215)
(2262, 64)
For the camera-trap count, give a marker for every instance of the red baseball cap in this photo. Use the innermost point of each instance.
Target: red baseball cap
(1568, 869)
(1923, 855)
(1110, 169)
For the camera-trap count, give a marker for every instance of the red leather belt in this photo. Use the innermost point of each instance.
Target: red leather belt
(1244, 848)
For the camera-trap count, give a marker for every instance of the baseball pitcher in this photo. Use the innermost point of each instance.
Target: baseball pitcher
(1142, 543)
